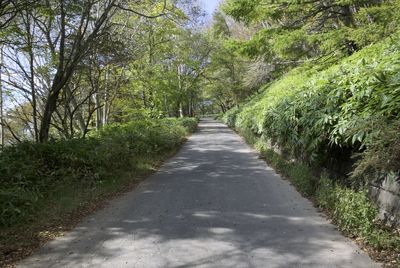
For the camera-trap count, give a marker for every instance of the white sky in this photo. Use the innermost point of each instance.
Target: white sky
(210, 6)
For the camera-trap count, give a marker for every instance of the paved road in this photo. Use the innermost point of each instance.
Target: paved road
(215, 204)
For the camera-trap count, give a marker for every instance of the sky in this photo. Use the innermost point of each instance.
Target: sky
(210, 6)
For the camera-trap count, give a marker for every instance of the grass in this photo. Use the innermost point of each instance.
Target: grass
(351, 210)
(66, 207)
(59, 207)
(325, 114)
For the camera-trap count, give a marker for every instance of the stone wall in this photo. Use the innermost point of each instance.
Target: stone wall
(386, 195)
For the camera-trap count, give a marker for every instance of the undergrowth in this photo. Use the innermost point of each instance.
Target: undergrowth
(33, 173)
(47, 188)
(352, 107)
(343, 119)
(351, 210)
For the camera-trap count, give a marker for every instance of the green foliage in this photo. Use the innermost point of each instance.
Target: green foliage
(355, 214)
(289, 31)
(351, 210)
(339, 106)
(230, 117)
(189, 123)
(225, 70)
(382, 154)
(164, 79)
(299, 174)
(31, 172)
(311, 112)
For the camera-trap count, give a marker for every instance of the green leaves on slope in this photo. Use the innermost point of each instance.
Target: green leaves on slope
(351, 105)
(30, 172)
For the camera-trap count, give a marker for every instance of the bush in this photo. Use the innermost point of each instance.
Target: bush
(230, 117)
(313, 113)
(321, 115)
(30, 172)
(351, 210)
(189, 123)
(299, 174)
(355, 214)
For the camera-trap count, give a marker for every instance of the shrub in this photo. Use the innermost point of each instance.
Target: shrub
(30, 172)
(355, 214)
(189, 123)
(314, 112)
(299, 174)
(230, 117)
(351, 210)
(326, 113)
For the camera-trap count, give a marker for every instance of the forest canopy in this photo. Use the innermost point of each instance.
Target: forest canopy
(69, 67)
(95, 94)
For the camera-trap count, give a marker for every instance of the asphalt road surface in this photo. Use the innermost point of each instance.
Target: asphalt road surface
(215, 204)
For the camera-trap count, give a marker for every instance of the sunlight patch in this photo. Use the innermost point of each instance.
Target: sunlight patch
(220, 230)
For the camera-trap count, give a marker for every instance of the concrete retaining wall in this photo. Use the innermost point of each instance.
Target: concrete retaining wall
(386, 195)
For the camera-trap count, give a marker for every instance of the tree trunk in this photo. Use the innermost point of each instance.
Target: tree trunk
(50, 107)
(190, 111)
(98, 111)
(180, 91)
(166, 105)
(180, 109)
(106, 99)
(1, 100)
(68, 64)
(60, 79)
(33, 89)
(79, 116)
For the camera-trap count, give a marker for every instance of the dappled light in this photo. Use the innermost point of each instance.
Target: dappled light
(215, 204)
(199, 133)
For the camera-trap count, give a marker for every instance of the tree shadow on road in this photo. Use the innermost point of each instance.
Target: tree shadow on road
(213, 205)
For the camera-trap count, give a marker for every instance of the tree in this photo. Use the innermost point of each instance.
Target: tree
(82, 64)
(62, 34)
(224, 75)
(291, 32)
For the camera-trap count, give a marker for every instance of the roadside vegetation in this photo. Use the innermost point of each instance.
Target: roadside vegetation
(48, 187)
(94, 95)
(351, 210)
(33, 173)
(316, 90)
(315, 115)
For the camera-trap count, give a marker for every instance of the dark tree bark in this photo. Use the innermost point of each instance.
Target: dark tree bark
(67, 63)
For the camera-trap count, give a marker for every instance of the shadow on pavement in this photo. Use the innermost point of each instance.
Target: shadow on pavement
(213, 205)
